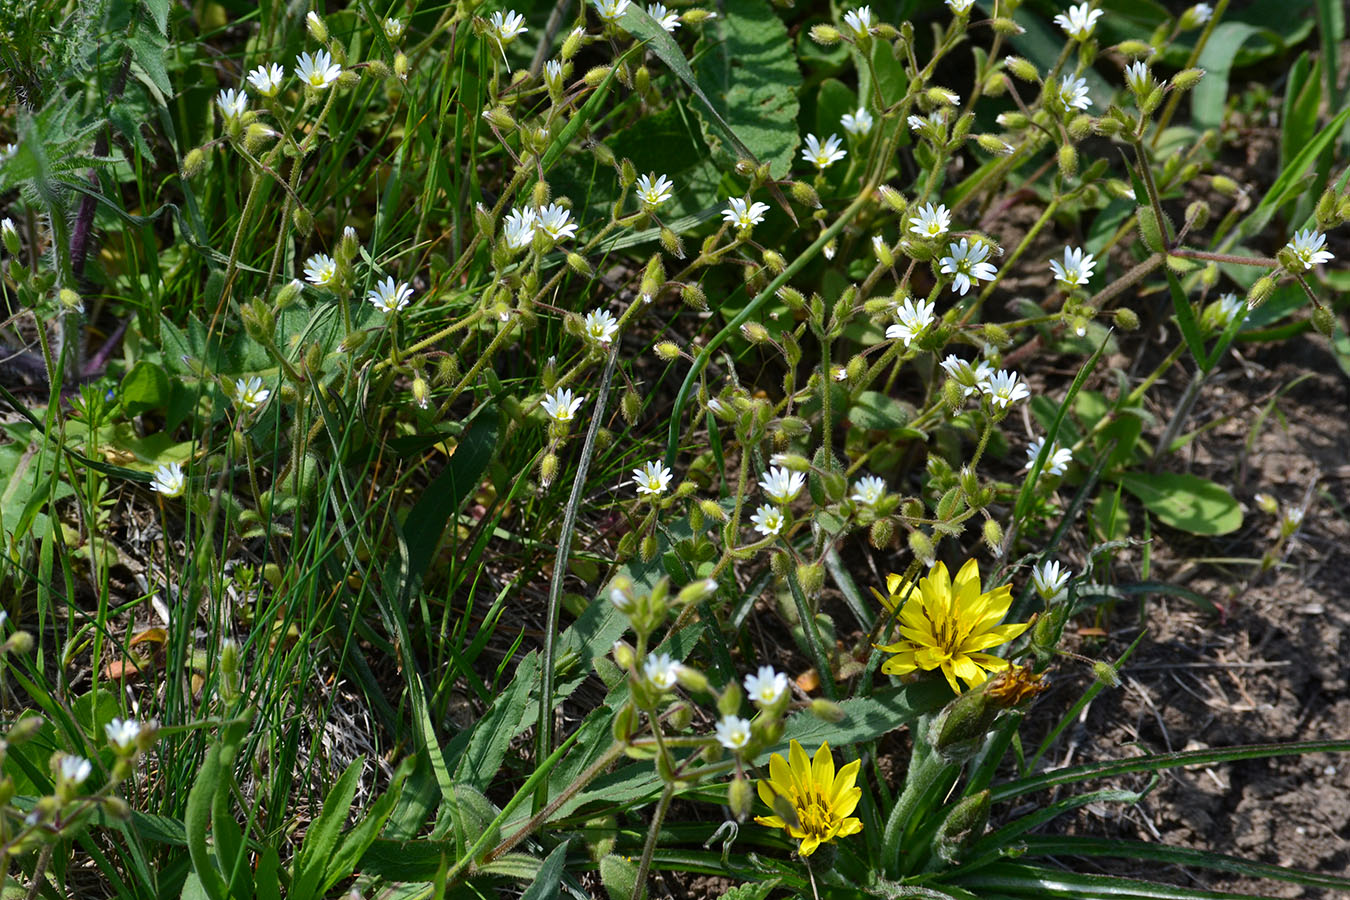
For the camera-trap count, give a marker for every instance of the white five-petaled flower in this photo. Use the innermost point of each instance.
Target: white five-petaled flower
(667, 20)
(930, 222)
(869, 491)
(1137, 77)
(967, 263)
(766, 686)
(318, 71)
(661, 671)
(122, 733)
(169, 480)
(1076, 268)
(507, 26)
(554, 221)
(1307, 248)
(561, 405)
(623, 601)
(250, 393)
(653, 190)
(782, 485)
(320, 270)
(1004, 388)
(1056, 463)
(733, 732)
(610, 10)
(970, 378)
(393, 29)
(932, 124)
(768, 520)
(743, 214)
(519, 228)
(914, 320)
(822, 156)
(1073, 92)
(1050, 580)
(652, 479)
(553, 74)
(390, 296)
(232, 103)
(858, 123)
(1079, 21)
(960, 7)
(266, 80)
(600, 326)
(74, 769)
(860, 20)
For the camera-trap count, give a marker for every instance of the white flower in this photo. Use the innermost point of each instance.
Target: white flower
(933, 124)
(169, 480)
(389, 296)
(1137, 77)
(914, 320)
(1003, 388)
(653, 190)
(1201, 13)
(122, 733)
(610, 10)
(766, 686)
(393, 29)
(743, 214)
(1057, 463)
(622, 600)
(661, 671)
(782, 485)
(519, 228)
(652, 479)
(320, 269)
(667, 20)
(768, 520)
(600, 326)
(1050, 580)
(1073, 92)
(1230, 306)
(970, 379)
(733, 732)
(1307, 248)
(7, 226)
(266, 80)
(930, 222)
(232, 103)
(839, 373)
(553, 74)
(561, 405)
(967, 263)
(860, 20)
(74, 769)
(960, 7)
(8, 151)
(554, 221)
(869, 491)
(1079, 21)
(249, 392)
(822, 157)
(1076, 268)
(317, 71)
(858, 123)
(507, 26)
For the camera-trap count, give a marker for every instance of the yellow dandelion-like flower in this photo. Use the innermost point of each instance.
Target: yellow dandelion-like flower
(822, 799)
(947, 625)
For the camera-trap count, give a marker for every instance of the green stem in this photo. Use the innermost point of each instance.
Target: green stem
(649, 848)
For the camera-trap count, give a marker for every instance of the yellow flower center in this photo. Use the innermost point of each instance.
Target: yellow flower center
(814, 815)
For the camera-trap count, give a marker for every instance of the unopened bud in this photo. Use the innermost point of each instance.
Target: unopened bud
(1197, 213)
(1260, 291)
(1187, 79)
(1133, 49)
(824, 34)
(921, 545)
(993, 535)
(811, 576)
(401, 65)
(548, 468)
(992, 143)
(1021, 68)
(595, 76)
(1068, 161)
(668, 350)
(316, 28)
(740, 796)
(193, 164)
(1106, 674)
(804, 194)
(1007, 27)
(827, 710)
(693, 295)
(754, 332)
(1126, 319)
(1324, 320)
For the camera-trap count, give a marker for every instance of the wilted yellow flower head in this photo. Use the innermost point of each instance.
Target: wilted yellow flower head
(947, 625)
(822, 799)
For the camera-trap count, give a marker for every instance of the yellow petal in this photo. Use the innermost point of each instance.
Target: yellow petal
(844, 782)
(771, 821)
(800, 764)
(780, 777)
(951, 680)
(967, 585)
(822, 768)
(901, 664)
(846, 803)
(850, 826)
(809, 845)
(766, 790)
(964, 667)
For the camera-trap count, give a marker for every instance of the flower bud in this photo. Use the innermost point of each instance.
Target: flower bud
(316, 28)
(804, 194)
(595, 76)
(401, 65)
(827, 710)
(548, 469)
(922, 547)
(625, 723)
(992, 143)
(960, 727)
(1187, 79)
(993, 535)
(1197, 213)
(1023, 69)
(671, 243)
(1260, 291)
(577, 263)
(754, 332)
(964, 825)
(302, 220)
(668, 350)
(1324, 320)
(1149, 230)
(740, 796)
(1007, 27)
(647, 549)
(825, 34)
(1133, 49)
(1106, 674)
(1068, 161)
(880, 533)
(693, 680)
(811, 576)
(693, 295)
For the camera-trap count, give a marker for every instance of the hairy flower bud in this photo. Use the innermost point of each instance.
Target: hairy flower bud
(922, 547)
(1260, 291)
(1023, 69)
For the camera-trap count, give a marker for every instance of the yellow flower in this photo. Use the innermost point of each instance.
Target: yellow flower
(821, 799)
(946, 625)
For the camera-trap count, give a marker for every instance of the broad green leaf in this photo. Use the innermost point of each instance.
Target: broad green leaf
(879, 412)
(196, 824)
(619, 876)
(1187, 502)
(159, 11)
(144, 388)
(751, 890)
(865, 718)
(354, 844)
(750, 77)
(1207, 97)
(547, 881)
(147, 51)
(311, 863)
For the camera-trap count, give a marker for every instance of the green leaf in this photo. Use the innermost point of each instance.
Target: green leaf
(1188, 502)
(749, 76)
(865, 718)
(548, 882)
(311, 863)
(1302, 99)
(1207, 97)
(159, 11)
(880, 412)
(144, 388)
(619, 876)
(1190, 330)
(196, 822)
(355, 843)
(1013, 879)
(147, 51)
(751, 890)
